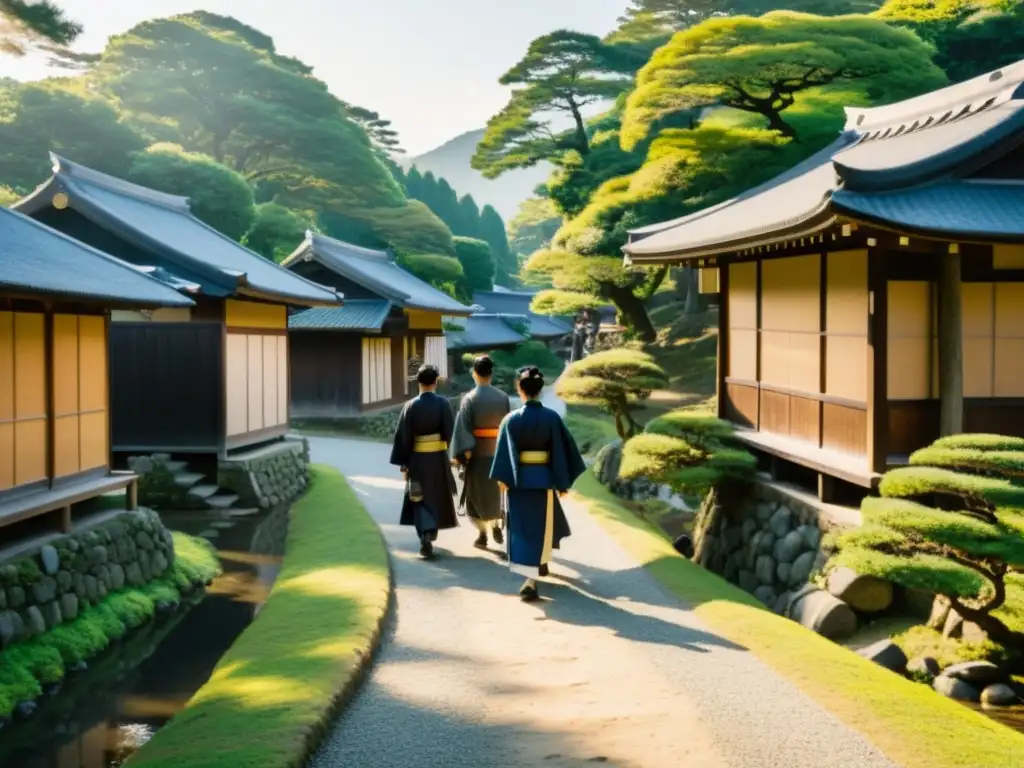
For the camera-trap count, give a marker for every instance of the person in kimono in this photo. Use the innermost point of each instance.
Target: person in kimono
(536, 462)
(421, 451)
(472, 449)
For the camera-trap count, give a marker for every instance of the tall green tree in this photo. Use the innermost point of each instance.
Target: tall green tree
(761, 65)
(382, 135)
(276, 231)
(492, 230)
(217, 195)
(54, 115)
(468, 222)
(534, 225)
(477, 265)
(562, 74)
(27, 24)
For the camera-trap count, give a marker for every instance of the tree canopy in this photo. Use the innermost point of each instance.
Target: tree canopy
(276, 231)
(534, 225)
(217, 195)
(477, 265)
(761, 65)
(561, 74)
(26, 24)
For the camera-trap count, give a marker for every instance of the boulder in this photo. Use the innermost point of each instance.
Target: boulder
(939, 613)
(35, 623)
(50, 559)
(984, 672)
(825, 614)
(52, 614)
(766, 595)
(867, 594)
(998, 695)
(69, 607)
(923, 668)
(802, 569)
(765, 570)
(765, 510)
(811, 536)
(7, 633)
(781, 522)
(886, 654)
(954, 625)
(749, 529)
(44, 590)
(783, 571)
(782, 604)
(952, 688)
(766, 543)
(788, 548)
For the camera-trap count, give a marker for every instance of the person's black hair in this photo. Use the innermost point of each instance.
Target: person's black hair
(483, 366)
(531, 380)
(427, 375)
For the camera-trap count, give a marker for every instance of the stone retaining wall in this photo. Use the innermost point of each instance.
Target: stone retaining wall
(50, 585)
(268, 477)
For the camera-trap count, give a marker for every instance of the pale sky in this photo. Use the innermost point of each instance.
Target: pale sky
(429, 66)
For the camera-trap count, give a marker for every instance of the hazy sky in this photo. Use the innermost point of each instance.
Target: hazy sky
(430, 66)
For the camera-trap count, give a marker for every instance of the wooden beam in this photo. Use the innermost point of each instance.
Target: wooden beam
(951, 347)
(878, 363)
(722, 362)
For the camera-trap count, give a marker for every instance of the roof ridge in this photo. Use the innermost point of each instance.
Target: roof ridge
(140, 271)
(959, 99)
(63, 166)
(353, 250)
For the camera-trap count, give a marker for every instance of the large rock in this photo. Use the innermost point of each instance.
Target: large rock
(781, 522)
(35, 623)
(999, 695)
(954, 626)
(984, 672)
(867, 594)
(50, 559)
(811, 536)
(802, 569)
(44, 590)
(783, 571)
(7, 630)
(69, 606)
(789, 547)
(886, 654)
(923, 668)
(765, 570)
(52, 614)
(765, 543)
(825, 614)
(953, 688)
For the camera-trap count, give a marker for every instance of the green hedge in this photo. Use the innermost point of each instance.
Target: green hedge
(996, 462)
(27, 666)
(981, 442)
(918, 482)
(271, 698)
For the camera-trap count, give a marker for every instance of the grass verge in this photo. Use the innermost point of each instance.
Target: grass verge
(26, 667)
(908, 722)
(272, 696)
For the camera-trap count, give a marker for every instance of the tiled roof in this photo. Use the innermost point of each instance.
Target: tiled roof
(903, 164)
(518, 303)
(355, 315)
(164, 226)
(376, 271)
(37, 260)
(481, 332)
(955, 208)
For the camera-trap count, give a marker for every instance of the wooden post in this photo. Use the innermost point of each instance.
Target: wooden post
(723, 338)
(951, 347)
(878, 363)
(65, 519)
(131, 495)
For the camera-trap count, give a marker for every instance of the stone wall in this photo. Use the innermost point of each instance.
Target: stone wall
(50, 585)
(772, 544)
(267, 477)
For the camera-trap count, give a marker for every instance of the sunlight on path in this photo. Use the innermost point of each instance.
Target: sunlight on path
(608, 669)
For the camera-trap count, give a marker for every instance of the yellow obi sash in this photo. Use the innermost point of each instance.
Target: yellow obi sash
(486, 433)
(534, 457)
(429, 444)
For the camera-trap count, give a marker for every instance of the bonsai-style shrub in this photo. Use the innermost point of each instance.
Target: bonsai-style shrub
(951, 523)
(616, 380)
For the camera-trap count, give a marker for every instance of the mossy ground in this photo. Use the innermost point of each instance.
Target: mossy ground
(27, 666)
(271, 697)
(908, 722)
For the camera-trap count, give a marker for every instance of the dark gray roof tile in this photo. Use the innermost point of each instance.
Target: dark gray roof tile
(355, 315)
(482, 332)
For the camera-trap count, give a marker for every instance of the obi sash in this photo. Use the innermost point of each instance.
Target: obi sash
(485, 433)
(534, 457)
(429, 444)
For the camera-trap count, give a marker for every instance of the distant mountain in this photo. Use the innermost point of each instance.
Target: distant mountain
(451, 160)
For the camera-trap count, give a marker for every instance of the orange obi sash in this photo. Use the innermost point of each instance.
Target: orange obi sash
(486, 433)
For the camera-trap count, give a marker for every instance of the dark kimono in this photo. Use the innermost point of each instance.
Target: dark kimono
(476, 430)
(536, 458)
(421, 447)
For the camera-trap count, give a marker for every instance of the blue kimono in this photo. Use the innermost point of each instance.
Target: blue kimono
(536, 458)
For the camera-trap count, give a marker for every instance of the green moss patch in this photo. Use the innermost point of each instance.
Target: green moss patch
(271, 698)
(45, 659)
(908, 722)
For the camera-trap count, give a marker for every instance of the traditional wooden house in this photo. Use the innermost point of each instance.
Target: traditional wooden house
(517, 303)
(873, 296)
(56, 295)
(363, 355)
(203, 379)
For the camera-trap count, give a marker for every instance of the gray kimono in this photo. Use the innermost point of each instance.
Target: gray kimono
(481, 411)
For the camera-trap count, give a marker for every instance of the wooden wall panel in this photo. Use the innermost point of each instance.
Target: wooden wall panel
(742, 354)
(66, 440)
(283, 377)
(846, 325)
(913, 424)
(742, 404)
(255, 375)
(978, 307)
(1008, 375)
(93, 384)
(421, 320)
(162, 315)
(1008, 257)
(707, 280)
(236, 382)
(910, 339)
(251, 314)
(743, 296)
(6, 400)
(790, 294)
(844, 429)
(774, 412)
(804, 415)
(94, 443)
(30, 407)
(435, 353)
(846, 372)
(377, 374)
(270, 379)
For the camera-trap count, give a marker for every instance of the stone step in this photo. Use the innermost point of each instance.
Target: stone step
(222, 500)
(203, 492)
(176, 466)
(187, 479)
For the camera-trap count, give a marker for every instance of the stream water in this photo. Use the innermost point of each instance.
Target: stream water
(100, 716)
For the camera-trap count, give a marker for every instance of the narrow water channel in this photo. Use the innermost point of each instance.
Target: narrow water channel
(101, 716)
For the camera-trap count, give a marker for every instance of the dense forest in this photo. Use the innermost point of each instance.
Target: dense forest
(690, 102)
(204, 106)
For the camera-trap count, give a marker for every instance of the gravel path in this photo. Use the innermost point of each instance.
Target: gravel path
(610, 669)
